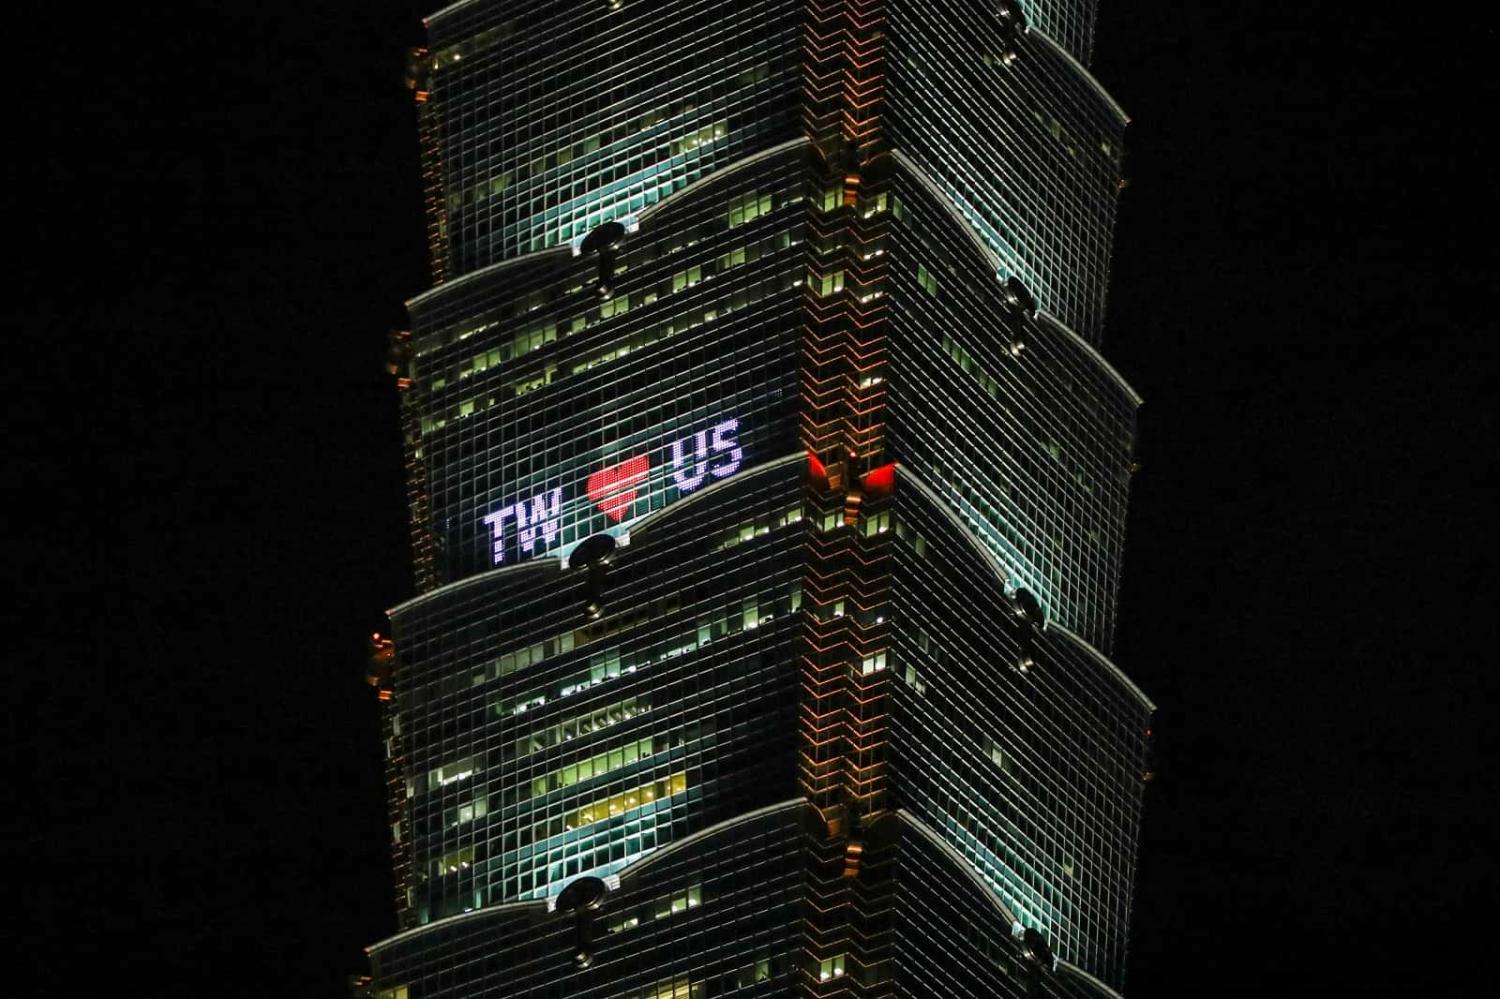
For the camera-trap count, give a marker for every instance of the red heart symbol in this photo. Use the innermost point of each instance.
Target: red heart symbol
(613, 489)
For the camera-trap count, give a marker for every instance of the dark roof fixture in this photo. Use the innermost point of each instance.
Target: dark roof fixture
(583, 897)
(592, 554)
(585, 894)
(1035, 950)
(593, 550)
(602, 240)
(1028, 609)
(1011, 17)
(602, 237)
(1012, 24)
(1017, 297)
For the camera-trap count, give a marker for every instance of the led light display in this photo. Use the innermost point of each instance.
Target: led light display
(613, 489)
(712, 452)
(690, 472)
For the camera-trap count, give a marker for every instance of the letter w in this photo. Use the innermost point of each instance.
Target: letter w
(545, 515)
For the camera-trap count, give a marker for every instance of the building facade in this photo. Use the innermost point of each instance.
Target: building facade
(768, 496)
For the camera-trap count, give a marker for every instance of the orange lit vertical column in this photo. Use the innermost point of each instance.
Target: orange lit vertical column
(383, 655)
(429, 135)
(381, 675)
(845, 688)
(399, 362)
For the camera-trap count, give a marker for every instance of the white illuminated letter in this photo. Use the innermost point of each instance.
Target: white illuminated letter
(723, 440)
(496, 521)
(688, 481)
(546, 516)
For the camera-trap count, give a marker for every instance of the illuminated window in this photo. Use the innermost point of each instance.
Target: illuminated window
(913, 680)
(448, 773)
(702, 137)
(827, 284)
(832, 967)
(748, 208)
(997, 755)
(476, 809)
(662, 908)
(927, 280)
(594, 766)
(672, 988)
(442, 59)
(577, 726)
(453, 862)
(626, 800)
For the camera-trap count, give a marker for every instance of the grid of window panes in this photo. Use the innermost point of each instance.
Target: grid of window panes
(1024, 147)
(659, 935)
(542, 743)
(1021, 430)
(951, 941)
(554, 117)
(1070, 23)
(1019, 746)
(528, 382)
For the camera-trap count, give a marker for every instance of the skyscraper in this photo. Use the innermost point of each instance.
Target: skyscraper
(768, 497)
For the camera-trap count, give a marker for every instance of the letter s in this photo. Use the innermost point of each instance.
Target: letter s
(723, 440)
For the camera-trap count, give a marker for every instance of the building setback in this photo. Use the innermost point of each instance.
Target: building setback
(768, 494)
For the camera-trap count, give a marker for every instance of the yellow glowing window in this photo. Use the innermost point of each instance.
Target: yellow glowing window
(626, 800)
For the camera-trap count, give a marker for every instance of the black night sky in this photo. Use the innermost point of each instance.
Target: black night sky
(216, 219)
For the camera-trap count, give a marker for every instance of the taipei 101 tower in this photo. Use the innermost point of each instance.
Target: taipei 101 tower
(768, 482)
